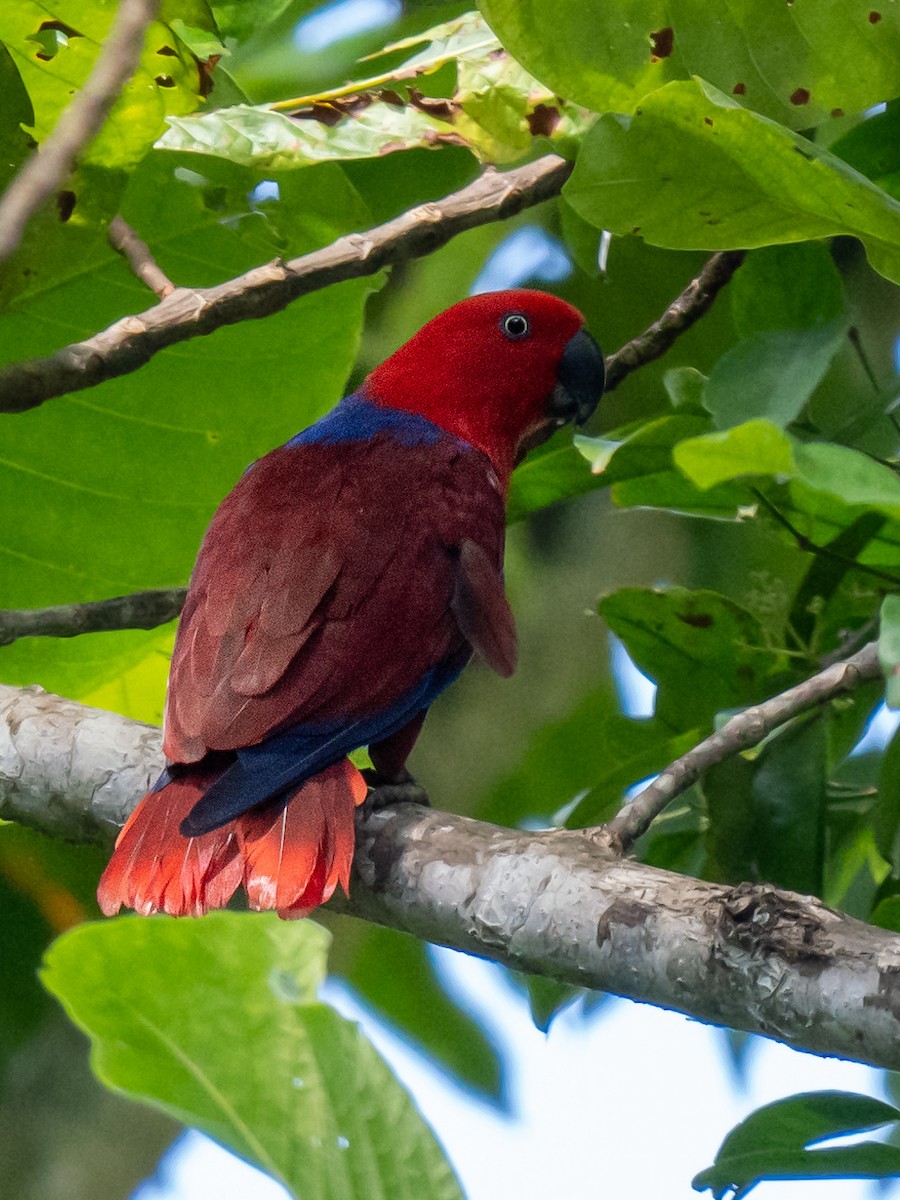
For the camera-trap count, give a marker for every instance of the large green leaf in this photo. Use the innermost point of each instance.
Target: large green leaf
(759, 447)
(593, 52)
(776, 1142)
(705, 652)
(786, 287)
(216, 1022)
(795, 63)
(691, 169)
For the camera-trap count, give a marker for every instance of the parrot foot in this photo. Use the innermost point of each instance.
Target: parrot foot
(401, 789)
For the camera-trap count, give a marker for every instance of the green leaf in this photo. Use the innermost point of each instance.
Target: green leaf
(705, 652)
(889, 648)
(684, 387)
(771, 375)
(547, 998)
(759, 447)
(812, 603)
(787, 303)
(589, 51)
(693, 170)
(555, 471)
(495, 108)
(886, 914)
(15, 115)
(797, 65)
(755, 448)
(244, 19)
(873, 148)
(794, 287)
(215, 1021)
(774, 1141)
(854, 477)
(767, 816)
(167, 80)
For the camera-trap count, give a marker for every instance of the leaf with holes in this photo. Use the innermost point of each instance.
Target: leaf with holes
(693, 170)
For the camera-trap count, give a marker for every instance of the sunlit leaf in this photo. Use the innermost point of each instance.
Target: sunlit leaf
(796, 64)
(271, 141)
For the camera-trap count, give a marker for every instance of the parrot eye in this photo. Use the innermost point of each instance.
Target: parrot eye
(515, 326)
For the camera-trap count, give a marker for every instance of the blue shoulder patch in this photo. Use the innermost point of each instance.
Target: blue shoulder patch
(356, 419)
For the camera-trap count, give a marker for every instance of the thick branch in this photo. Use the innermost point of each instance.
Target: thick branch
(50, 166)
(140, 610)
(551, 903)
(188, 313)
(746, 729)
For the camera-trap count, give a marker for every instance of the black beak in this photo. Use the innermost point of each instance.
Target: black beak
(579, 381)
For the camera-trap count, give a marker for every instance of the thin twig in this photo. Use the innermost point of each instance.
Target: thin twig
(126, 242)
(696, 300)
(188, 313)
(140, 610)
(856, 343)
(746, 729)
(811, 547)
(51, 165)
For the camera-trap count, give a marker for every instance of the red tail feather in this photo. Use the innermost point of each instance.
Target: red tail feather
(292, 861)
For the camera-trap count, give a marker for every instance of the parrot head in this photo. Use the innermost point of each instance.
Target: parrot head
(502, 371)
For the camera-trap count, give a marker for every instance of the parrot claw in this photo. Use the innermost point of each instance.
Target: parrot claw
(401, 789)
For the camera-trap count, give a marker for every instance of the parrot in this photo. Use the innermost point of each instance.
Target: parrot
(342, 585)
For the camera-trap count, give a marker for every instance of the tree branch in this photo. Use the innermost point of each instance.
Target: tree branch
(746, 729)
(140, 610)
(51, 165)
(551, 903)
(126, 242)
(187, 313)
(684, 311)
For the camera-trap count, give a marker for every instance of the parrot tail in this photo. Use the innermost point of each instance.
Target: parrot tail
(291, 859)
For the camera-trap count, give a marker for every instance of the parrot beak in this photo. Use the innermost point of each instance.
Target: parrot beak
(579, 381)
(579, 386)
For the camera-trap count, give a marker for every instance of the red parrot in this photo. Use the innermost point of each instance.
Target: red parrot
(341, 586)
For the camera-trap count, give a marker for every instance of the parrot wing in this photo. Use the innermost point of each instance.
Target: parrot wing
(323, 560)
